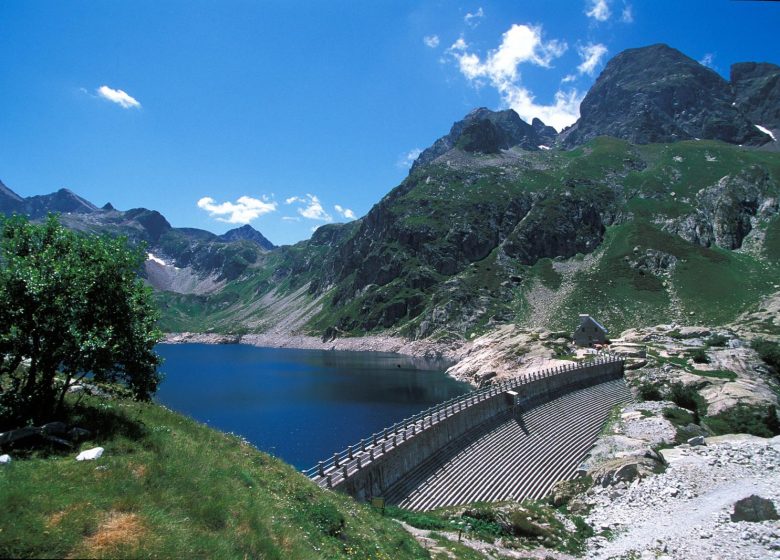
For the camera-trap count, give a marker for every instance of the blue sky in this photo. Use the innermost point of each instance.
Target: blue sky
(290, 115)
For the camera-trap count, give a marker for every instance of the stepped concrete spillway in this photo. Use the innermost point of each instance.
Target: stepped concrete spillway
(521, 457)
(512, 440)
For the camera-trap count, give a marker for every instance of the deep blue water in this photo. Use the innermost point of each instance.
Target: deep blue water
(300, 405)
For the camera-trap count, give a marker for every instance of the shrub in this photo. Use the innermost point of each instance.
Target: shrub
(687, 397)
(769, 352)
(649, 392)
(746, 419)
(73, 306)
(700, 356)
(717, 340)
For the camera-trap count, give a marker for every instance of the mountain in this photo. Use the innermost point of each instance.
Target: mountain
(630, 234)
(657, 94)
(62, 201)
(489, 132)
(646, 211)
(181, 260)
(10, 202)
(247, 233)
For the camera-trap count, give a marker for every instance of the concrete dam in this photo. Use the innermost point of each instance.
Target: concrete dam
(510, 441)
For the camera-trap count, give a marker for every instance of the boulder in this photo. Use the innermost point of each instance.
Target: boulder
(624, 469)
(78, 434)
(90, 454)
(754, 509)
(698, 440)
(483, 377)
(5, 459)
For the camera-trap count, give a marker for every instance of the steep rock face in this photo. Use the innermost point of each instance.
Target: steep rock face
(558, 225)
(657, 94)
(756, 87)
(488, 132)
(726, 210)
(247, 233)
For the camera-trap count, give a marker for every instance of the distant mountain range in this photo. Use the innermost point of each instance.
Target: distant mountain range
(188, 259)
(660, 204)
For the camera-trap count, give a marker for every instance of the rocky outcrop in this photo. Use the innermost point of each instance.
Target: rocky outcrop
(561, 225)
(726, 211)
(488, 132)
(744, 382)
(657, 94)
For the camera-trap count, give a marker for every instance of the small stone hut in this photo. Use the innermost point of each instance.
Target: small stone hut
(589, 332)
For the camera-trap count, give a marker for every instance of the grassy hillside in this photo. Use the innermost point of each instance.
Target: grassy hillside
(168, 487)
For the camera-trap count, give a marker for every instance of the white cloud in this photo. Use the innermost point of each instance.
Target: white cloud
(311, 207)
(243, 211)
(564, 112)
(707, 60)
(119, 97)
(345, 212)
(520, 44)
(568, 78)
(459, 45)
(473, 19)
(406, 160)
(599, 10)
(591, 56)
(291, 218)
(628, 14)
(431, 41)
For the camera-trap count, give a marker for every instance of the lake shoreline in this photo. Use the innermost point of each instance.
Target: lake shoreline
(433, 351)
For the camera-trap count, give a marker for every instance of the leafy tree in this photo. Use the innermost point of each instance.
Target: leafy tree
(71, 306)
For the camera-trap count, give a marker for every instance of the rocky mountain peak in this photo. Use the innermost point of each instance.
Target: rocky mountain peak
(658, 94)
(247, 233)
(63, 201)
(488, 132)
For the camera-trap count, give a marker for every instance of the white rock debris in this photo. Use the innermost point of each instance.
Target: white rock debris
(685, 511)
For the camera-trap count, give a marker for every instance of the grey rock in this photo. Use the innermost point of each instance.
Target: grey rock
(754, 509)
(698, 440)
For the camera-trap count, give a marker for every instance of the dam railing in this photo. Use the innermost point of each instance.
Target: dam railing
(357, 459)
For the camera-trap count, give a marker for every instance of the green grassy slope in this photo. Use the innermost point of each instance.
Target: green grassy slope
(168, 487)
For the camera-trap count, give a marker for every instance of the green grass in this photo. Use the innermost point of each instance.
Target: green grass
(772, 240)
(168, 487)
(527, 524)
(716, 373)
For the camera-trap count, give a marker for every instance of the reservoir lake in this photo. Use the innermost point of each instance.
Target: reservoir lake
(299, 405)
